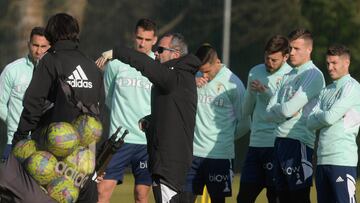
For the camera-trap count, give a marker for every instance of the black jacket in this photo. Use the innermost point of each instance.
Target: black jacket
(173, 109)
(62, 60)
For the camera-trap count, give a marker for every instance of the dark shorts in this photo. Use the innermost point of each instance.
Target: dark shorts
(292, 164)
(335, 184)
(216, 174)
(134, 155)
(258, 167)
(6, 153)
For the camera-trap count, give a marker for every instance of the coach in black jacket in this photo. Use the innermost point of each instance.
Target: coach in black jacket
(45, 102)
(173, 108)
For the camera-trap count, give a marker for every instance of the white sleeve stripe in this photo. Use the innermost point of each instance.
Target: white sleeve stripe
(309, 78)
(348, 88)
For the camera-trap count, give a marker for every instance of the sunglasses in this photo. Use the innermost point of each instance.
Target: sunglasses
(162, 49)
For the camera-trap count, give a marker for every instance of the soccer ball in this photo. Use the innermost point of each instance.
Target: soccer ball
(82, 160)
(63, 190)
(41, 166)
(62, 139)
(89, 128)
(24, 149)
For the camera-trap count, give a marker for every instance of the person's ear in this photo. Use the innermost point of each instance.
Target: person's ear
(154, 40)
(176, 54)
(286, 57)
(347, 62)
(309, 49)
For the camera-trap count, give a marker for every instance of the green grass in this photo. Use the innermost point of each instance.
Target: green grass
(124, 192)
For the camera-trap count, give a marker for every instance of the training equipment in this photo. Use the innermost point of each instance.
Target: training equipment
(89, 129)
(24, 149)
(62, 189)
(108, 149)
(62, 139)
(41, 166)
(82, 160)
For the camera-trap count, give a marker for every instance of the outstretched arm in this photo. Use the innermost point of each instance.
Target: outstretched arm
(159, 74)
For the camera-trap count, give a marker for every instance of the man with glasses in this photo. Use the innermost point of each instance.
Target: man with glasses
(167, 55)
(14, 81)
(170, 126)
(128, 98)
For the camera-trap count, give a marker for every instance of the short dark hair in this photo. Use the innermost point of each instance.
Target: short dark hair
(178, 42)
(37, 31)
(301, 33)
(146, 24)
(62, 26)
(206, 54)
(338, 50)
(277, 43)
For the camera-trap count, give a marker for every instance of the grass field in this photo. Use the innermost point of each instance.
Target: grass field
(124, 193)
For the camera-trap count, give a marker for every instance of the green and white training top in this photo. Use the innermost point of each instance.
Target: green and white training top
(294, 100)
(14, 80)
(337, 115)
(262, 131)
(219, 119)
(128, 95)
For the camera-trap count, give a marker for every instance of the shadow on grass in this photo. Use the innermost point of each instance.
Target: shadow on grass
(124, 192)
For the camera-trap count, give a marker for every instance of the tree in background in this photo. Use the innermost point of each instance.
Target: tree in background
(334, 21)
(30, 14)
(104, 23)
(19, 17)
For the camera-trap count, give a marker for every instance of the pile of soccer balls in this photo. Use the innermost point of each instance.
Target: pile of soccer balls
(64, 165)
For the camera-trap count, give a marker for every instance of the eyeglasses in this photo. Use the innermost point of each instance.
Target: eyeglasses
(162, 49)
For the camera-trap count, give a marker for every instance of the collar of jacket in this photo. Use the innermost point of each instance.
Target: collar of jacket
(189, 63)
(64, 45)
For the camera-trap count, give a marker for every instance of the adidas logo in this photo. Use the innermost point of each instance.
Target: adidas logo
(339, 179)
(227, 189)
(79, 79)
(298, 182)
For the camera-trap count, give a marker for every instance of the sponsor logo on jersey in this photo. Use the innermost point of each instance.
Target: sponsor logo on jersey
(134, 82)
(209, 99)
